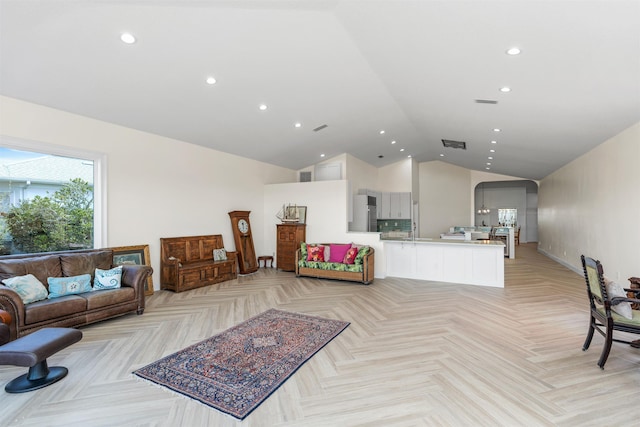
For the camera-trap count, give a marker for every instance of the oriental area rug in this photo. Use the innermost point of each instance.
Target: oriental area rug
(236, 370)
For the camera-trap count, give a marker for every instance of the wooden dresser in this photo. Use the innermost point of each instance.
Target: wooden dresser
(289, 237)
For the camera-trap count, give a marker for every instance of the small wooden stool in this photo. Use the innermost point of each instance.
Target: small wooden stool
(266, 259)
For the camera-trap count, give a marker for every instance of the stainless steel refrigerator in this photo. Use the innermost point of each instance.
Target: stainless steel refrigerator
(364, 214)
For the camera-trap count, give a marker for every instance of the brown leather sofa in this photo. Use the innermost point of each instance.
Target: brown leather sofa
(69, 310)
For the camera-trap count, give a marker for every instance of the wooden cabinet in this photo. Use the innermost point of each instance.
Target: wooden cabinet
(187, 263)
(289, 237)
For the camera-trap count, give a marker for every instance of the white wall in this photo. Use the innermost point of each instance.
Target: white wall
(156, 187)
(444, 197)
(361, 174)
(396, 177)
(592, 206)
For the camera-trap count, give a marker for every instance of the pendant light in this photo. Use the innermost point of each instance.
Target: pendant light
(483, 210)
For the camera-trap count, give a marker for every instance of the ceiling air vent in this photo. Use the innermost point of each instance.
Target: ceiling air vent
(320, 128)
(454, 144)
(486, 101)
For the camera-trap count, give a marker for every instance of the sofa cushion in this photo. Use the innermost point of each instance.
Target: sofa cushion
(41, 267)
(107, 279)
(75, 264)
(61, 286)
(315, 253)
(615, 290)
(107, 297)
(335, 266)
(219, 255)
(350, 256)
(28, 287)
(361, 253)
(54, 308)
(338, 252)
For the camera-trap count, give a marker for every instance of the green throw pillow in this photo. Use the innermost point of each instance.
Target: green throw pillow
(361, 253)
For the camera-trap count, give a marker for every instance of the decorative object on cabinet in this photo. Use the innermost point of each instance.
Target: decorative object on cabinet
(358, 267)
(187, 262)
(293, 214)
(288, 239)
(134, 255)
(244, 241)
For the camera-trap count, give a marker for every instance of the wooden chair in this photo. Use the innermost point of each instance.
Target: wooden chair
(601, 317)
(517, 235)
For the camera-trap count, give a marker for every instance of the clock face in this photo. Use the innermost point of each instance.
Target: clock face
(243, 226)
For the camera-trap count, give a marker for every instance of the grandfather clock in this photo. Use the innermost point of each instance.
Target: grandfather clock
(244, 241)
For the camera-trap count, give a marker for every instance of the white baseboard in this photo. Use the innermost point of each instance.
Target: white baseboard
(561, 261)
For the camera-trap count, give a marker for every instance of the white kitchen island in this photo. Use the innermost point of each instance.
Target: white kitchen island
(456, 261)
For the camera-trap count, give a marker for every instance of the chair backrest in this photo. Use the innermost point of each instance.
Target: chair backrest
(594, 277)
(492, 233)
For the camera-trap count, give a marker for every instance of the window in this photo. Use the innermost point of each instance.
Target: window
(508, 217)
(50, 198)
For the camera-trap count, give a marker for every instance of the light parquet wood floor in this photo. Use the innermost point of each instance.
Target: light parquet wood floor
(416, 354)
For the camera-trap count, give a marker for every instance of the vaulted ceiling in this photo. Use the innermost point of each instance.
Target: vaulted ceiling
(413, 69)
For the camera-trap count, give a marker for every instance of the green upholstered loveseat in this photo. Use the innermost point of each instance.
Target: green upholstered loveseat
(362, 270)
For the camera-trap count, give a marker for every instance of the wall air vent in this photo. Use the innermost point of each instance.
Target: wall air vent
(454, 144)
(486, 101)
(320, 128)
(305, 176)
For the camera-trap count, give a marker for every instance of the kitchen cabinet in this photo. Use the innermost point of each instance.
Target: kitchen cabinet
(390, 205)
(385, 206)
(395, 205)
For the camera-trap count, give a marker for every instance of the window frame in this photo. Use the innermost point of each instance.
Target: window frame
(99, 177)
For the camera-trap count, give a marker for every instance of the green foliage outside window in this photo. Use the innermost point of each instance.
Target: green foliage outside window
(60, 222)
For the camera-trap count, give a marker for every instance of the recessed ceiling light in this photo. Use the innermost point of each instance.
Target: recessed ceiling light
(494, 142)
(488, 163)
(505, 89)
(488, 168)
(128, 38)
(382, 132)
(211, 80)
(409, 156)
(497, 130)
(492, 151)
(321, 155)
(402, 149)
(513, 51)
(262, 107)
(441, 155)
(393, 142)
(298, 125)
(490, 158)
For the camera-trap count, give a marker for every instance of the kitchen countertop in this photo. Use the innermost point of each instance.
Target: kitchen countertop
(445, 241)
